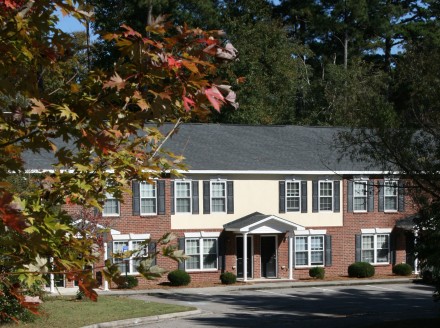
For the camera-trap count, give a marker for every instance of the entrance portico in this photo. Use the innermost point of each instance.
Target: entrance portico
(268, 227)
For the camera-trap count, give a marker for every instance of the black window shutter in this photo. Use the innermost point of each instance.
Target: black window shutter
(161, 197)
(152, 251)
(181, 245)
(110, 250)
(381, 196)
(221, 254)
(96, 211)
(303, 196)
(136, 203)
(328, 250)
(392, 249)
(401, 195)
(370, 196)
(230, 196)
(206, 197)
(195, 196)
(173, 210)
(350, 196)
(293, 252)
(358, 247)
(337, 196)
(315, 196)
(282, 197)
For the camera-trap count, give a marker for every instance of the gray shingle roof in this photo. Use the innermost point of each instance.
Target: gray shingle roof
(224, 147)
(267, 148)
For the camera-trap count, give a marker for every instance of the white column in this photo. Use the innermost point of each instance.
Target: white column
(105, 258)
(290, 255)
(416, 260)
(245, 257)
(52, 280)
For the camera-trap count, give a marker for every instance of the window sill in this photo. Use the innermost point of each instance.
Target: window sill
(362, 211)
(390, 211)
(309, 266)
(201, 270)
(148, 214)
(111, 215)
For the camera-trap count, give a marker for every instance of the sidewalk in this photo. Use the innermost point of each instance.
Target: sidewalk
(252, 285)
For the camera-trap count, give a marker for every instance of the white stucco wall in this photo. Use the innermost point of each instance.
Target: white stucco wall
(256, 194)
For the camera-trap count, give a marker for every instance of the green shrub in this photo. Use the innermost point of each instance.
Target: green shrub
(11, 308)
(361, 270)
(228, 278)
(127, 282)
(179, 278)
(402, 269)
(317, 272)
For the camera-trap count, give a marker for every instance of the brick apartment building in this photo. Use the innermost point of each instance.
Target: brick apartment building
(266, 202)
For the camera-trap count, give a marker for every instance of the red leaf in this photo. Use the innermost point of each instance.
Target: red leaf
(188, 103)
(215, 97)
(10, 216)
(172, 63)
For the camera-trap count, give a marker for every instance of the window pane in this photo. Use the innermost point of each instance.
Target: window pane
(317, 258)
(210, 261)
(317, 243)
(325, 204)
(183, 205)
(292, 189)
(325, 188)
(301, 258)
(209, 246)
(367, 242)
(183, 189)
(218, 205)
(301, 244)
(122, 265)
(120, 246)
(192, 246)
(390, 203)
(193, 262)
(293, 204)
(218, 189)
(368, 256)
(148, 205)
(111, 206)
(147, 190)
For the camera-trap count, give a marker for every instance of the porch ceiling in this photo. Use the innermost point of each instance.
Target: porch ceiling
(258, 223)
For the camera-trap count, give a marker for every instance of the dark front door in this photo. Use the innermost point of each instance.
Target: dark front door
(239, 245)
(410, 243)
(268, 257)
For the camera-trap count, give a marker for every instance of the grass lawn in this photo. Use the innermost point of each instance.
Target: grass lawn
(67, 312)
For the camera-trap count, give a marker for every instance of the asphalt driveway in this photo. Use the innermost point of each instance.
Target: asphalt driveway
(319, 306)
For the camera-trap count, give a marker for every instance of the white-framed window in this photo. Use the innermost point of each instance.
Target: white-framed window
(182, 194)
(375, 248)
(129, 265)
(218, 196)
(326, 195)
(293, 196)
(202, 254)
(309, 251)
(111, 206)
(391, 191)
(360, 196)
(148, 198)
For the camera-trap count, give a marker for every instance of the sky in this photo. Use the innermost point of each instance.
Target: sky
(69, 24)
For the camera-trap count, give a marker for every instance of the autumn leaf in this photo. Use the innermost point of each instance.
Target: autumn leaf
(172, 63)
(190, 65)
(188, 103)
(38, 108)
(115, 82)
(215, 97)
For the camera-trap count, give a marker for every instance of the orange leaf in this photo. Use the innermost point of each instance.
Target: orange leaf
(38, 108)
(115, 82)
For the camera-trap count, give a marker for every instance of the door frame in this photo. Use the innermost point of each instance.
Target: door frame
(251, 258)
(276, 255)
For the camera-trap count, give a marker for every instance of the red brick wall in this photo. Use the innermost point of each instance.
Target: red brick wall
(343, 239)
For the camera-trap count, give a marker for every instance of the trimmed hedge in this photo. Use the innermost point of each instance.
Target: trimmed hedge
(228, 278)
(317, 272)
(127, 282)
(402, 269)
(179, 278)
(361, 270)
